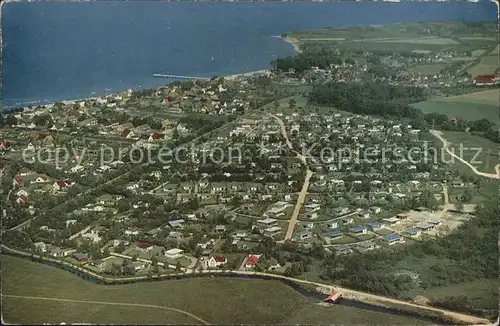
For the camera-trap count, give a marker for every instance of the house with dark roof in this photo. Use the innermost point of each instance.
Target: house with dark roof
(334, 235)
(375, 226)
(392, 239)
(414, 232)
(361, 229)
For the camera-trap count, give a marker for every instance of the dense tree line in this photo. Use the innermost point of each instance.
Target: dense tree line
(321, 58)
(369, 98)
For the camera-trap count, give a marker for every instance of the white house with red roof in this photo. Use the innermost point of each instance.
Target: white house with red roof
(61, 185)
(156, 136)
(24, 200)
(487, 80)
(252, 261)
(216, 261)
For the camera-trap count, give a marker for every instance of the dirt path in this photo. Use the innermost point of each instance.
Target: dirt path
(446, 145)
(109, 304)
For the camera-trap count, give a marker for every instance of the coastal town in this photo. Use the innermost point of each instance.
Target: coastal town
(216, 212)
(250, 173)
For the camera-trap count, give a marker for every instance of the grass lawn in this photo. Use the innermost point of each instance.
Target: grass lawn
(489, 97)
(486, 150)
(24, 311)
(459, 108)
(483, 292)
(430, 69)
(337, 314)
(344, 240)
(215, 300)
(488, 64)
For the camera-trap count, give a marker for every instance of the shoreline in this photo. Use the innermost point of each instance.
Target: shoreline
(48, 104)
(293, 41)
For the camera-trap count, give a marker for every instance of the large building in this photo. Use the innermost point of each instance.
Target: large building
(487, 80)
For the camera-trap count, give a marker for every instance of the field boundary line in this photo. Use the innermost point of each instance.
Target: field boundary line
(110, 304)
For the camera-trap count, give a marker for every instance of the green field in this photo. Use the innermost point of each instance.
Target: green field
(429, 69)
(215, 300)
(484, 293)
(320, 314)
(459, 109)
(488, 65)
(487, 151)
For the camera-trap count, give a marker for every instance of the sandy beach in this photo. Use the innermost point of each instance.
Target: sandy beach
(293, 41)
(248, 74)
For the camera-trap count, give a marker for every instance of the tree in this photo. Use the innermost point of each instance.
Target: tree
(178, 266)
(467, 196)
(292, 103)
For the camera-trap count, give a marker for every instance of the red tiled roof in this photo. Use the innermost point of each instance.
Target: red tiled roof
(252, 260)
(18, 180)
(220, 259)
(157, 135)
(143, 244)
(26, 200)
(4, 144)
(63, 183)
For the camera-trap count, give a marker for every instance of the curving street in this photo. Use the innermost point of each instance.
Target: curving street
(446, 145)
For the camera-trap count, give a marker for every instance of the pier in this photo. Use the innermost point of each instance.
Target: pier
(180, 77)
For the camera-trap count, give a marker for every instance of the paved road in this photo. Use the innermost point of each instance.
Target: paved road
(202, 321)
(446, 145)
(298, 205)
(303, 193)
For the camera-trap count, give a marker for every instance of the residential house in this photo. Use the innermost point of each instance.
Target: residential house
(268, 222)
(304, 235)
(179, 223)
(392, 239)
(90, 122)
(375, 226)
(359, 230)
(334, 235)
(144, 246)
(40, 246)
(414, 232)
(174, 253)
(81, 257)
(252, 261)
(216, 261)
(366, 246)
(21, 193)
(60, 185)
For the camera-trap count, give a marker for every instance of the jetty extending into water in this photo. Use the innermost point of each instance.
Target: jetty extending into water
(180, 77)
